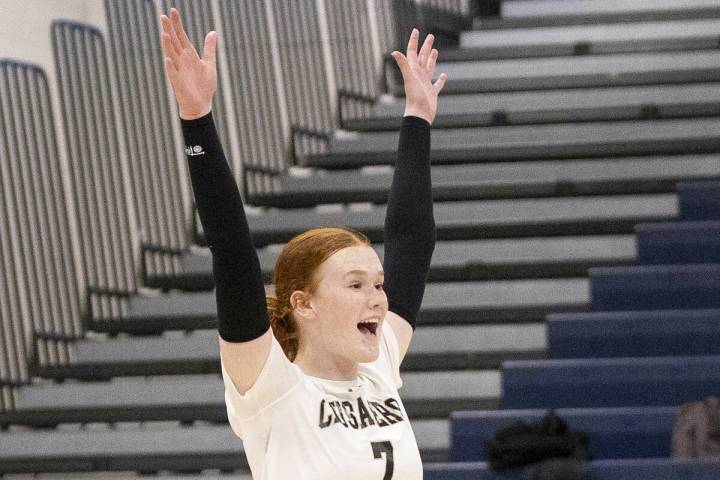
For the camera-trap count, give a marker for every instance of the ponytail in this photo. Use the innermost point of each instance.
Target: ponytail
(283, 326)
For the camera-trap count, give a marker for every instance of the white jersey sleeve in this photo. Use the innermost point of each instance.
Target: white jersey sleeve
(390, 354)
(277, 377)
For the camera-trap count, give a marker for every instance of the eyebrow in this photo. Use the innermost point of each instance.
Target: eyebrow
(363, 272)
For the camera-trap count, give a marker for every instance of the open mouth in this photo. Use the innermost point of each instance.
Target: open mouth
(368, 327)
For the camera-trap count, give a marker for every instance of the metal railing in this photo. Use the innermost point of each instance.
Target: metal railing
(257, 90)
(151, 147)
(98, 161)
(39, 289)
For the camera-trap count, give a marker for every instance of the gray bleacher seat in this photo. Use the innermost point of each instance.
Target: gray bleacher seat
(503, 180)
(537, 257)
(560, 12)
(141, 449)
(152, 448)
(553, 106)
(463, 346)
(531, 142)
(481, 219)
(552, 41)
(130, 475)
(579, 71)
(448, 302)
(599, 38)
(561, 41)
(609, 382)
(190, 398)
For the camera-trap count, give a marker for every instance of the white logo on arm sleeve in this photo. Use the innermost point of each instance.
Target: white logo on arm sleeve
(194, 151)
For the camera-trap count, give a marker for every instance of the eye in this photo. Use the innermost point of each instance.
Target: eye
(379, 286)
(356, 285)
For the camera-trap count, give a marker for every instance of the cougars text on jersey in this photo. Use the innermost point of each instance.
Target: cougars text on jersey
(360, 413)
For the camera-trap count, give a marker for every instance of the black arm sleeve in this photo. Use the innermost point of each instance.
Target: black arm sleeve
(240, 293)
(409, 223)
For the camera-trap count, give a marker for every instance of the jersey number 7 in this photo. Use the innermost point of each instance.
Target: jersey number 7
(378, 449)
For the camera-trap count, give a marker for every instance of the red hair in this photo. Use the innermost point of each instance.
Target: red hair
(295, 270)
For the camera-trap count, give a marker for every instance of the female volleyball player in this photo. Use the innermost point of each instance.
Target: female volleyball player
(316, 396)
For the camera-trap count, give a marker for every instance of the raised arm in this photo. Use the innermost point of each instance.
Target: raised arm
(409, 223)
(245, 336)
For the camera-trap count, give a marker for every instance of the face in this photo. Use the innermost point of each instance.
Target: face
(344, 316)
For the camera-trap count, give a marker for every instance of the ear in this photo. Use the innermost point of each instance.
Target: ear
(300, 302)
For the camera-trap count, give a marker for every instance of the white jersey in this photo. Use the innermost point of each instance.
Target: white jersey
(295, 426)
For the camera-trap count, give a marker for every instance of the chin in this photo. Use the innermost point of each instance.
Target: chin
(369, 356)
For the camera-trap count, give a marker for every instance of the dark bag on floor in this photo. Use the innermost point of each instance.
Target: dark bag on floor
(697, 429)
(521, 444)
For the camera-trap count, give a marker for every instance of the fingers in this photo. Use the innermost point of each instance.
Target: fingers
(413, 45)
(179, 30)
(440, 83)
(402, 62)
(210, 48)
(430, 67)
(425, 50)
(171, 44)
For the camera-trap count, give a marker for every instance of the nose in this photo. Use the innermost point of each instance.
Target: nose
(378, 299)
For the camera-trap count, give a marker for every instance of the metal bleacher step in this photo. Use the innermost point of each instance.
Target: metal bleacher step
(531, 13)
(608, 176)
(494, 259)
(584, 71)
(463, 347)
(151, 449)
(530, 142)
(190, 398)
(553, 106)
(127, 475)
(450, 303)
(482, 219)
(566, 40)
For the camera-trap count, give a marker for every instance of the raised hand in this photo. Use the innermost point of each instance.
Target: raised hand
(193, 79)
(417, 71)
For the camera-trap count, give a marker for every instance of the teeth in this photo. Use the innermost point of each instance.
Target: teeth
(375, 322)
(371, 320)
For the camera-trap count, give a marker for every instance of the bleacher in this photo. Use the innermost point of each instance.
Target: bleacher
(576, 158)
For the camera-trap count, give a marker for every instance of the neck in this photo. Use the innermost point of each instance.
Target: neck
(319, 365)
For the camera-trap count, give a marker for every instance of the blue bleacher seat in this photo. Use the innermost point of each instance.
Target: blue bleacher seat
(655, 469)
(699, 200)
(609, 382)
(467, 471)
(640, 432)
(632, 469)
(633, 334)
(655, 287)
(678, 242)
